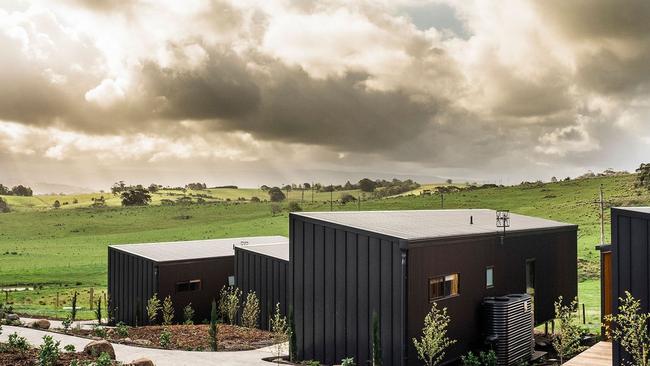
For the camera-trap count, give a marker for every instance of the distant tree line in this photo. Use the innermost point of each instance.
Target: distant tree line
(19, 190)
(379, 187)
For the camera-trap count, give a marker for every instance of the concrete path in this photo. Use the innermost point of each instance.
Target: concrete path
(85, 324)
(159, 357)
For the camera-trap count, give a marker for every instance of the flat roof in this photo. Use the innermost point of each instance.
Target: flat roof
(430, 224)
(644, 209)
(193, 249)
(279, 250)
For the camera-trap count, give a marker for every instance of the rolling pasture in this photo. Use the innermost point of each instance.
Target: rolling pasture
(57, 250)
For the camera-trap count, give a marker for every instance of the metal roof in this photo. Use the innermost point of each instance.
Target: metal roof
(193, 249)
(645, 210)
(430, 224)
(278, 250)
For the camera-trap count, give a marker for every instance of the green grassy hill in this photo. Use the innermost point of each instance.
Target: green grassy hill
(66, 248)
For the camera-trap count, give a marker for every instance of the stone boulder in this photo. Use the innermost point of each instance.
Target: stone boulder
(96, 348)
(142, 362)
(13, 317)
(41, 324)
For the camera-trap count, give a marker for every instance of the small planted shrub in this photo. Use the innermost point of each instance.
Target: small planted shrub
(122, 330)
(70, 348)
(18, 343)
(483, 359)
(280, 330)
(99, 331)
(312, 363)
(67, 323)
(212, 331)
(188, 314)
(73, 311)
(631, 330)
(470, 359)
(165, 338)
(98, 311)
(104, 360)
(49, 352)
(229, 303)
(168, 311)
(348, 362)
(434, 341)
(251, 313)
(566, 340)
(153, 307)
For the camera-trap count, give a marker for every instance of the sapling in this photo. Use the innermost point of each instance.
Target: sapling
(212, 331)
(188, 314)
(630, 330)
(98, 311)
(67, 323)
(73, 312)
(432, 345)
(251, 313)
(566, 340)
(168, 311)
(49, 352)
(229, 303)
(280, 329)
(153, 307)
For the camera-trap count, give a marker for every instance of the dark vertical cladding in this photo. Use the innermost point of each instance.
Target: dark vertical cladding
(340, 278)
(271, 290)
(630, 258)
(131, 282)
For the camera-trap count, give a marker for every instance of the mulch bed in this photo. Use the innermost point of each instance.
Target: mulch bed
(190, 337)
(30, 358)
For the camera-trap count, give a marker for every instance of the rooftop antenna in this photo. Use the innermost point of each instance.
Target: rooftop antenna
(503, 221)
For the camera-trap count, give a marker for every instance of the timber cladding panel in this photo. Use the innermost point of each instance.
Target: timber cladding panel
(340, 278)
(267, 277)
(630, 260)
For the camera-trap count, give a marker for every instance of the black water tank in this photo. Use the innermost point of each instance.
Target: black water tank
(509, 326)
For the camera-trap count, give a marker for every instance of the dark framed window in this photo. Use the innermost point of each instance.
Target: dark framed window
(186, 286)
(441, 287)
(489, 277)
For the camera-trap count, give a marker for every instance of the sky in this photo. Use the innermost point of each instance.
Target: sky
(270, 92)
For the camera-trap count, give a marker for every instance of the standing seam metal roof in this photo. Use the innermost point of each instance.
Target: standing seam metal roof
(278, 250)
(194, 249)
(430, 224)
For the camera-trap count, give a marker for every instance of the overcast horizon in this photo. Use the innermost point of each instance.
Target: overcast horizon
(270, 92)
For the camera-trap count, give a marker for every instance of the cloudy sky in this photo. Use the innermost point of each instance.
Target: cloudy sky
(251, 92)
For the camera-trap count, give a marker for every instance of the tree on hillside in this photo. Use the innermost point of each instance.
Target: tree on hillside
(153, 188)
(306, 186)
(367, 185)
(553, 179)
(56, 204)
(449, 181)
(643, 176)
(21, 190)
(4, 206)
(118, 187)
(4, 190)
(276, 194)
(136, 197)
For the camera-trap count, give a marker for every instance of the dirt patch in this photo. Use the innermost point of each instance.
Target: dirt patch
(189, 337)
(30, 358)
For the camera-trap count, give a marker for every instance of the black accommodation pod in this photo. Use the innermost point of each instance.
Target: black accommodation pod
(345, 266)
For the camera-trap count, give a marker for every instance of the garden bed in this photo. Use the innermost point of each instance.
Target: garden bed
(30, 358)
(188, 337)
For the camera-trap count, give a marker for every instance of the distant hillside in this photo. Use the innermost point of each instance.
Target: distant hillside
(54, 188)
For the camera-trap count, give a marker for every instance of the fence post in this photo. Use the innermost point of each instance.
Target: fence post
(584, 314)
(92, 296)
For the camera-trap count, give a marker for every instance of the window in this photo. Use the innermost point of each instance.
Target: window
(489, 277)
(443, 286)
(186, 286)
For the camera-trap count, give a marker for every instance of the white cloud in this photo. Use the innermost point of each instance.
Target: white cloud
(106, 93)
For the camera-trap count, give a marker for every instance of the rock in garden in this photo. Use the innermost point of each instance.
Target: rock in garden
(142, 362)
(13, 317)
(96, 348)
(142, 342)
(41, 324)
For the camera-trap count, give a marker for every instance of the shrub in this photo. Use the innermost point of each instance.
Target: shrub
(280, 329)
(70, 348)
(488, 358)
(434, 341)
(165, 338)
(566, 340)
(98, 311)
(255, 199)
(122, 330)
(49, 352)
(631, 329)
(312, 363)
(99, 331)
(251, 313)
(188, 314)
(348, 362)
(18, 343)
(229, 303)
(346, 198)
(212, 331)
(470, 360)
(153, 307)
(294, 206)
(168, 311)
(104, 360)
(67, 323)
(4, 206)
(275, 209)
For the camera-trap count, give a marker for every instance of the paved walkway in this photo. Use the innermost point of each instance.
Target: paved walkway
(159, 357)
(598, 355)
(85, 324)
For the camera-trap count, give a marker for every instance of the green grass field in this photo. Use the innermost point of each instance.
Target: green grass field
(64, 248)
